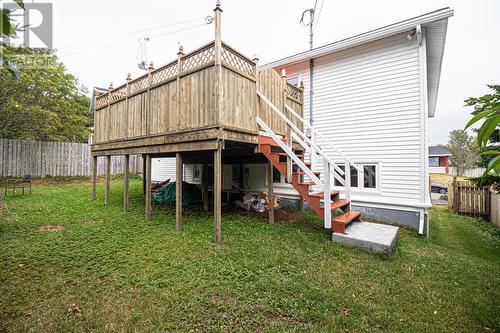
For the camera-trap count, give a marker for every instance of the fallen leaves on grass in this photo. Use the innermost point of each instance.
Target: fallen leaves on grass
(74, 310)
(345, 311)
(51, 228)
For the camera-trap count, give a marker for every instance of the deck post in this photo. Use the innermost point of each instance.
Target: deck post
(218, 64)
(204, 177)
(148, 187)
(148, 98)
(108, 180)
(257, 87)
(94, 177)
(126, 168)
(270, 191)
(217, 193)
(143, 174)
(178, 191)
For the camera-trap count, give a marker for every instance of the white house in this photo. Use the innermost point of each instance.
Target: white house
(372, 97)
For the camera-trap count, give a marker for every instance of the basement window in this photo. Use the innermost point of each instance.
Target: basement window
(368, 179)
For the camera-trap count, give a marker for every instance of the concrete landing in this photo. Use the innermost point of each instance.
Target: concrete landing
(374, 237)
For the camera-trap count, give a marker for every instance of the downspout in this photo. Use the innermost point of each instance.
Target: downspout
(311, 77)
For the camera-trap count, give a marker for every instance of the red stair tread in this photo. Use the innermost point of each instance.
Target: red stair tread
(321, 194)
(308, 183)
(339, 204)
(346, 217)
(306, 163)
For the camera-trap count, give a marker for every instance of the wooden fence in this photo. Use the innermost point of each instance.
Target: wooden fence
(466, 198)
(45, 158)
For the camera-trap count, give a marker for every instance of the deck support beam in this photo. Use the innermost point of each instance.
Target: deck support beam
(108, 180)
(204, 178)
(178, 191)
(126, 182)
(94, 177)
(217, 193)
(270, 191)
(147, 177)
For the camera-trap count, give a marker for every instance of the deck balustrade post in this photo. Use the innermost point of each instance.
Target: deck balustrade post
(217, 193)
(218, 91)
(94, 177)
(108, 113)
(301, 87)
(148, 98)
(257, 88)
(108, 180)
(148, 187)
(180, 55)
(129, 79)
(126, 167)
(178, 191)
(270, 191)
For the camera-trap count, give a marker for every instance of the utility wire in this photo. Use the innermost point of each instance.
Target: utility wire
(135, 41)
(319, 15)
(129, 33)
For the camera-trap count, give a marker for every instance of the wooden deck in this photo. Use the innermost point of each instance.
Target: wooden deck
(190, 104)
(201, 108)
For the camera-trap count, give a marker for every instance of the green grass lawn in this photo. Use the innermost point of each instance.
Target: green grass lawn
(125, 274)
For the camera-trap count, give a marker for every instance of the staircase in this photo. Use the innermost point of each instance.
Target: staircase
(278, 158)
(282, 156)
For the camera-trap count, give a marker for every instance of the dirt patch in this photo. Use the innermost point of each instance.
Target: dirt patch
(51, 228)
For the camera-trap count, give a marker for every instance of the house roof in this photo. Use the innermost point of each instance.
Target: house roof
(439, 151)
(435, 23)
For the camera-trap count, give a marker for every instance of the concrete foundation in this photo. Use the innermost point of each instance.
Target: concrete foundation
(374, 237)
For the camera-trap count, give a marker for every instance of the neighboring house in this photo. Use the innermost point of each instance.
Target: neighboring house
(373, 95)
(439, 159)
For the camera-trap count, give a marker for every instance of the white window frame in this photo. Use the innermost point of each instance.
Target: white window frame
(361, 188)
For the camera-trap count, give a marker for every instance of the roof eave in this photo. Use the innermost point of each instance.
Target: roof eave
(363, 38)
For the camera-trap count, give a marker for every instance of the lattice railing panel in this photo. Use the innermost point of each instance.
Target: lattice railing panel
(164, 73)
(238, 62)
(139, 84)
(101, 101)
(293, 91)
(198, 59)
(118, 93)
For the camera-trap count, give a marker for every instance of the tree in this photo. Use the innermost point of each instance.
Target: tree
(8, 30)
(487, 109)
(463, 148)
(44, 103)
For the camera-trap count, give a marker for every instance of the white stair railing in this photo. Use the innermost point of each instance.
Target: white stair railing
(289, 152)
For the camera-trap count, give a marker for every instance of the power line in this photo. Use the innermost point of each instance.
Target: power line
(130, 42)
(319, 15)
(130, 33)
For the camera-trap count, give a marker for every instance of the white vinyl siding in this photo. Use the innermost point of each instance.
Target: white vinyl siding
(164, 168)
(367, 103)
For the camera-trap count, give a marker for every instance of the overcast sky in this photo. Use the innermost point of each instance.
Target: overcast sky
(271, 30)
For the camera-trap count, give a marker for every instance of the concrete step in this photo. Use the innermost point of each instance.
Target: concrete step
(373, 237)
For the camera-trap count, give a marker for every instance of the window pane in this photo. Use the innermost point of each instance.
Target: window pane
(370, 176)
(433, 161)
(354, 177)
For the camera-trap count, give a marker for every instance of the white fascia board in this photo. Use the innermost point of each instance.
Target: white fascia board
(363, 38)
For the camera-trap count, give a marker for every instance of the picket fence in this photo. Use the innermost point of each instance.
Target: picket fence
(47, 158)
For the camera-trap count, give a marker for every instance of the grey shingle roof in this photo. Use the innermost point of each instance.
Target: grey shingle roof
(438, 150)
